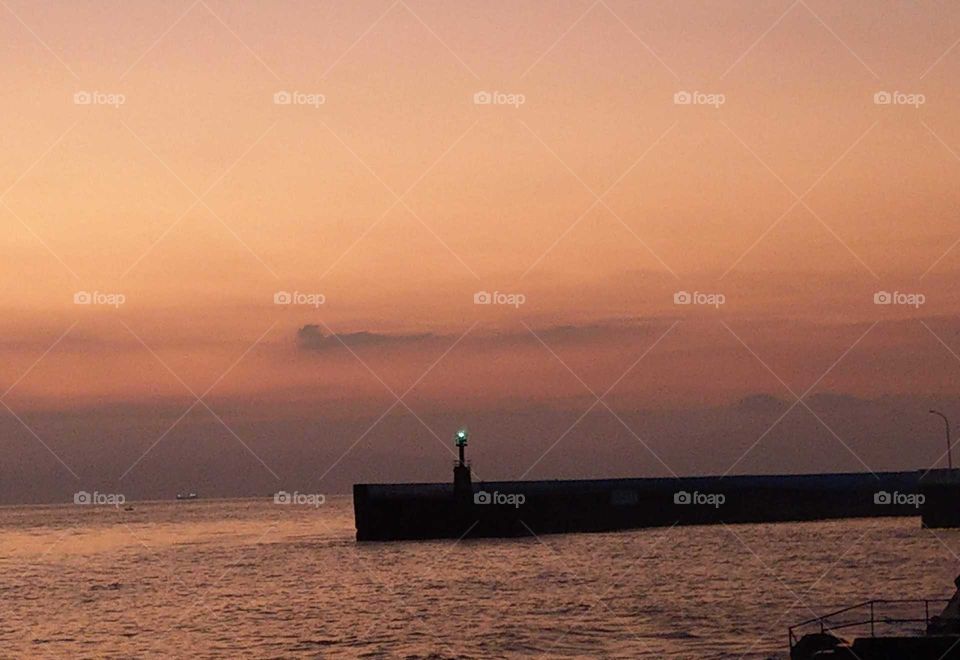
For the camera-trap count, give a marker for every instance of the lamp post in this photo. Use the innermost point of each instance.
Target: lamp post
(947, 423)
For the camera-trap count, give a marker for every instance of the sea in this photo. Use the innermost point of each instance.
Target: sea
(252, 578)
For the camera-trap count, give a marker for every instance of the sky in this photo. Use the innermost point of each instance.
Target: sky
(249, 246)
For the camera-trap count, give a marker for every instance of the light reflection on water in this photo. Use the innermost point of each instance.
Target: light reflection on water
(248, 578)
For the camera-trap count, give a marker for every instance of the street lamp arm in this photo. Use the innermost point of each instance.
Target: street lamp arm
(949, 446)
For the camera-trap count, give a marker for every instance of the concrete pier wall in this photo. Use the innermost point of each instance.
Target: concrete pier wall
(941, 493)
(520, 508)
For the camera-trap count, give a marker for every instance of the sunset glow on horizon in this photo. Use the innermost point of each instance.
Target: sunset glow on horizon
(333, 233)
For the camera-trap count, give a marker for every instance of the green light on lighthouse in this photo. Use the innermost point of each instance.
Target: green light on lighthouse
(461, 438)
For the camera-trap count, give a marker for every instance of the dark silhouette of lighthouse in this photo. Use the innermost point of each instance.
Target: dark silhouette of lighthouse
(462, 486)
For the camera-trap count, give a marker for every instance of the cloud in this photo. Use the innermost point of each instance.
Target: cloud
(313, 337)
(310, 337)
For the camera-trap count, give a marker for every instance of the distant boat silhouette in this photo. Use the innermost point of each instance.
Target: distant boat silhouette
(187, 496)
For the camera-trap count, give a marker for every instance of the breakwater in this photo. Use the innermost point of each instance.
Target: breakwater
(520, 508)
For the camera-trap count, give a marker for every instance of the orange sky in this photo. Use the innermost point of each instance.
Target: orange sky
(398, 198)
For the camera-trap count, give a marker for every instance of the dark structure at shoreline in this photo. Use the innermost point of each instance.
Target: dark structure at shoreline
(387, 512)
(463, 509)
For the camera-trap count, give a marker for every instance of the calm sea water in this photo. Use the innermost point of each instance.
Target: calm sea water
(249, 578)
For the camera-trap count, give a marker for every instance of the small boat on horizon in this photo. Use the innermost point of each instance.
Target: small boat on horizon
(187, 496)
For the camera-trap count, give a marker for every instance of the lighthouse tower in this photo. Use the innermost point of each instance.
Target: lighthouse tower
(462, 486)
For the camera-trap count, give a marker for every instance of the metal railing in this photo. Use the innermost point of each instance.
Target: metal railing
(872, 613)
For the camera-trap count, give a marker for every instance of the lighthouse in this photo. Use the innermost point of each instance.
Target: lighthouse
(462, 486)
